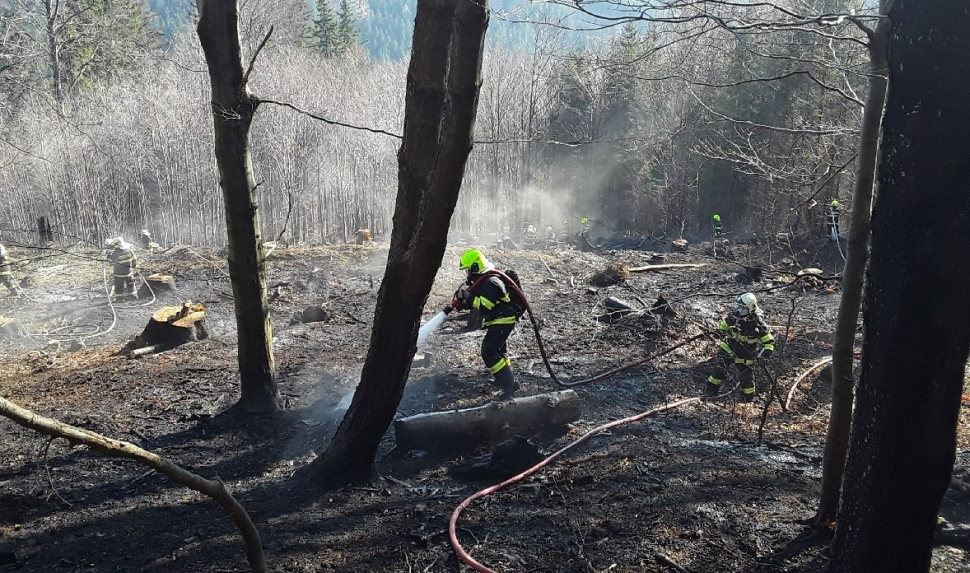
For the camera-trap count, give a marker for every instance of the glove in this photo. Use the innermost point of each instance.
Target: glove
(450, 307)
(766, 353)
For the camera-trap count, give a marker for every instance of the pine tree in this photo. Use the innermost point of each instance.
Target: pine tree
(347, 32)
(324, 34)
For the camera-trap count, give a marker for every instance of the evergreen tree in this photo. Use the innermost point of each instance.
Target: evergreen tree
(347, 32)
(324, 32)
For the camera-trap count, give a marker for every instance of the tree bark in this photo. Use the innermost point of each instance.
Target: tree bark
(232, 112)
(462, 430)
(212, 488)
(853, 275)
(443, 83)
(916, 313)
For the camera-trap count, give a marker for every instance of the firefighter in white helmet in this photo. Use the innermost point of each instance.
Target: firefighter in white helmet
(744, 332)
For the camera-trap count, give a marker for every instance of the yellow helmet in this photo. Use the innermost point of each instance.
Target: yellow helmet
(584, 220)
(835, 203)
(474, 261)
(717, 217)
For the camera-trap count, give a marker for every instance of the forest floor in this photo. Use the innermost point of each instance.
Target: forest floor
(690, 486)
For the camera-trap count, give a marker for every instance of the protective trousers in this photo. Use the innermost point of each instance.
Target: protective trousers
(124, 285)
(745, 373)
(495, 354)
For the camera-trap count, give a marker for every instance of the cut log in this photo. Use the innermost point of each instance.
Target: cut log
(312, 313)
(666, 267)
(174, 325)
(679, 245)
(461, 430)
(157, 283)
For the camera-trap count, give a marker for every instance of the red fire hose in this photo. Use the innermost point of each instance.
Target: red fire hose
(453, 522)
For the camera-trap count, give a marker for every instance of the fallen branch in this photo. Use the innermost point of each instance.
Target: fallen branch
(212, 488)
(666, 267)
(664, 560)
(804, 375)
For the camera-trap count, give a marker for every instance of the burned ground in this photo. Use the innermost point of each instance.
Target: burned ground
(690, 486)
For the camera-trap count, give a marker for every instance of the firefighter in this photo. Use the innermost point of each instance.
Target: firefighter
(490, 296)
(530, 235)
(6, 279)
(122, 256)
(551, 237)
(744, 329)
(146, 240)
(716, 223)
(832, 220)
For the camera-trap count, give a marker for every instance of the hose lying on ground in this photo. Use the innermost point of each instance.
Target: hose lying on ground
(453, 522)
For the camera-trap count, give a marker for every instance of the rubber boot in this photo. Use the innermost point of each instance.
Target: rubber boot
(713, 389)
(505, 380)
(747, 396)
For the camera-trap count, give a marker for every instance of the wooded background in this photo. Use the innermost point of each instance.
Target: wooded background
(644, 127)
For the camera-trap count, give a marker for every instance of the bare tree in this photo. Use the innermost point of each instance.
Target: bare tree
(233, 107)
(444, 79)
(857, 255)
(916, 344)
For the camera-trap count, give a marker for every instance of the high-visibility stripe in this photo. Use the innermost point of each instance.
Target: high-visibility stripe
(715, 381)
(2, 273)
(502, 320)
(747, 390)
(747, 362)
(769, 346)
(502, 363)
(726, 348)
(482, 302)
(123, 276)
(723, 325)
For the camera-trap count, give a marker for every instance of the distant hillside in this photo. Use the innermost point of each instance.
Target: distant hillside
(386, 25)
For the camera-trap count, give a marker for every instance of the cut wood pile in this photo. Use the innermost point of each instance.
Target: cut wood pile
(462, 430)
(170, 327)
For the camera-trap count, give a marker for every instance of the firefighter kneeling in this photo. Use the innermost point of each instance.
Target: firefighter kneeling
(744, 329)
(486, 291)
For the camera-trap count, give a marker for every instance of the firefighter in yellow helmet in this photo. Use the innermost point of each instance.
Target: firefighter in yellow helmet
(744, 330)
(489, 294)
(832, 220)
(716, 224)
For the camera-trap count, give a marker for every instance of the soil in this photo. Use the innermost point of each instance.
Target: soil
(691, 487)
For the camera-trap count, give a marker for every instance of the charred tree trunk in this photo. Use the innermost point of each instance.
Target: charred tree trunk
(232, 113)
(444, 78)
(916, 313)
(853, 275)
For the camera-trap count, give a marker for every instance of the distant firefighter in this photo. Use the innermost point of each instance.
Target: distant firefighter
(146, 240)
(551, 237)
(6, 279)
(122, 256)
(716, 224)
(832, 220)
(530, 235)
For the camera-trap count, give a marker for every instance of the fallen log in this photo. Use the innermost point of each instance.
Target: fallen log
(666, 267)
(146, 350)
(458, 430)
(117, 448)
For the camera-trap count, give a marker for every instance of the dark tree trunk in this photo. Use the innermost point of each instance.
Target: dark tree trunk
(917, 309)
(444, 78)
(853, 275)
(232, 112)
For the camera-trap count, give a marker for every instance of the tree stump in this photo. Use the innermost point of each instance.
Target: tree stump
(679, 245)
(157, 283)
(459, 430)
(312, 313)
(611, 275)
(170, 327)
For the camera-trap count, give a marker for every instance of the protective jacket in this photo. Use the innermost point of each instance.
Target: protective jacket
(124, 261)
(743, 334)
(491, 298)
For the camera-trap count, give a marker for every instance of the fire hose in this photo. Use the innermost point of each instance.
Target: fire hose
(511, 284)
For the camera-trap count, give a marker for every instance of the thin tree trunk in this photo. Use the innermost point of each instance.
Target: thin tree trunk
(903, 440)
(232, 113)
(442, 98)
(853, 275)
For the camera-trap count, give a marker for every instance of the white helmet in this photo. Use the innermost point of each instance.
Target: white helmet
(747, 303)
(144, 231)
